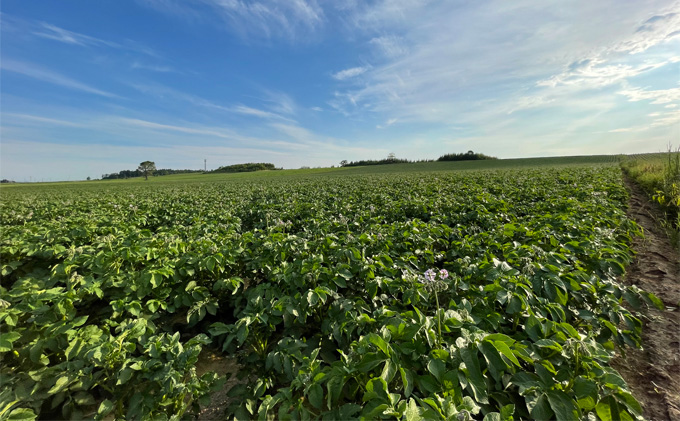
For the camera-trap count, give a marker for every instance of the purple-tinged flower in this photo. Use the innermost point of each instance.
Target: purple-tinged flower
(433, 281)
(430, 275)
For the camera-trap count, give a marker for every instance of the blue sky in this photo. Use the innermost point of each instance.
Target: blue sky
(95, 87)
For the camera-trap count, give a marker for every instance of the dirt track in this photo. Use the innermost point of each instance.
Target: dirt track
(653, 373)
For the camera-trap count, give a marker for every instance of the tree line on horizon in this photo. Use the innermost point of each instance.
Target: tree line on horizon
(248, 167)
(392, 159)
(467, 156)
(138, 173)
(147, 168)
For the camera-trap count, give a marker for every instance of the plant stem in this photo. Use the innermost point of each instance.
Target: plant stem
(439, 319)
(573, 377)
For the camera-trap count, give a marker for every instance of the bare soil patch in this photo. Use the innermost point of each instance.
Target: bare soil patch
(212, 360)
(653, 373)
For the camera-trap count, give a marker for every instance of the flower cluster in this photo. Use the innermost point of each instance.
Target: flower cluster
(280, 223)
(434, 281)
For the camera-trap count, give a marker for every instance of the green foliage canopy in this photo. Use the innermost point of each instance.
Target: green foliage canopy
(147, 168)
(323, 288)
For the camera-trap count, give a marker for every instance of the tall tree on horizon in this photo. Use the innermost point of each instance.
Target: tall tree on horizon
(147, 168)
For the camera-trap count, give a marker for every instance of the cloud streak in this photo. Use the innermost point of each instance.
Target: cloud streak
(151, 67)
(46, 30)
(250, 111)
(389, 46)
(349, 73)
(51, 77)
(655, 30)
(55, 33)
(277, 101)
(661, 96)
(13, 118)
(293, 20)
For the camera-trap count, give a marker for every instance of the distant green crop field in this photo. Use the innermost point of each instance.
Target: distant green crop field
(455, 290)
(337, 171)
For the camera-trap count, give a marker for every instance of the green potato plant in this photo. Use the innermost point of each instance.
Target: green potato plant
(489, 295)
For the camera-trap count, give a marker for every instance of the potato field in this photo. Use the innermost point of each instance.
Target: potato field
(456, 295)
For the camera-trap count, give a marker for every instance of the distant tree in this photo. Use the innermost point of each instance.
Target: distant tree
(343, 162)
(88, 179)
(147, 168)
(392, 157)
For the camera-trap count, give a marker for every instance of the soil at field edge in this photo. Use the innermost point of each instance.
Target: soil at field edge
(653, 373)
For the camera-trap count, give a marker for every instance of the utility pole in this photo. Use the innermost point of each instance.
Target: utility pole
(205, 165)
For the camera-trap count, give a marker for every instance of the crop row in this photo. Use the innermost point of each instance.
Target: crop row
(474, 295)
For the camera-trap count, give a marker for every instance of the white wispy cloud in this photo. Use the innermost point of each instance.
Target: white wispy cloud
(174, 128)
(671, 118)
(12, 118)
(443, 65)
(321, 145)
(597, 72)
(465, 64)
(660, 96)
(349, 73)
(165, 92)
(299, 138)
(388, 123)
(49, 76)
(245, 110)
(389, 46)
(527, 102)
(55, 33)
(46, 30)
(614, 62)
(289, 18)
(141, 130)
(628, 129)
(296, 132)
(266, 19)
(660, 119)
(277, 101)
(592, 73)
(152, 67)
(655, 30)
